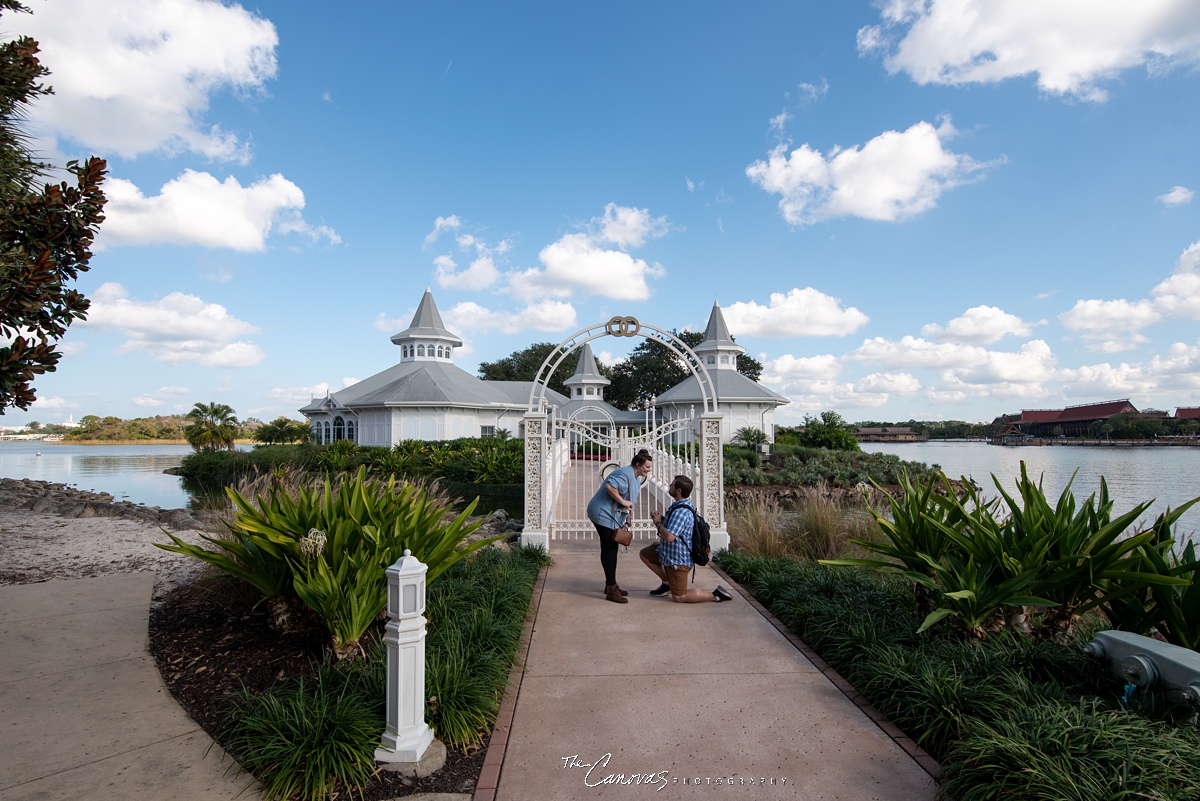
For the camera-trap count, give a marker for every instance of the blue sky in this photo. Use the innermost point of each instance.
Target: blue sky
(938, 209)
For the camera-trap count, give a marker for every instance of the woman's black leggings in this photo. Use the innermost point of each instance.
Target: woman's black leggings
(608, 554)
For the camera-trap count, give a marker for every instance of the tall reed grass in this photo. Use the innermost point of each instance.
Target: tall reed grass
(818, 526)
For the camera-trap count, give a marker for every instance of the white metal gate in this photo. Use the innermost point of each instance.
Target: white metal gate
(582, 454)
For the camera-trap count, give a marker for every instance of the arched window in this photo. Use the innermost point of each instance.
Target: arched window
(404, 351)
(712, 360)
(351, 431)
(316, 432)
(339, 428)
(328, 437)
(420, 350)
(441, 354)
(578, 391)
(591, 390)
(724, 360)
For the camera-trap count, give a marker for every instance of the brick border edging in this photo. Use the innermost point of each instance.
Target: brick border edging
(906, 743)
(489, 774)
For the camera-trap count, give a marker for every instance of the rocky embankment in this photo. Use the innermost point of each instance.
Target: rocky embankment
(44, 497)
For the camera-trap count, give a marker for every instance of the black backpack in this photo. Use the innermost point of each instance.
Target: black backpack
(701, 537)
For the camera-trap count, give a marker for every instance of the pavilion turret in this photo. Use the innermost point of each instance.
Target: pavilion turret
(426, 338)
(586, 381)
(718, 349)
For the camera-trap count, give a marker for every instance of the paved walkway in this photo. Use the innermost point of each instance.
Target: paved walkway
(83, 711)
(682, 693)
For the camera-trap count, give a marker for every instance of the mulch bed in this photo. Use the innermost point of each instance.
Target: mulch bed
(209, 641)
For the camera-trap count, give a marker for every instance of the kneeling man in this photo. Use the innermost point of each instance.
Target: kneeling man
(671, 557)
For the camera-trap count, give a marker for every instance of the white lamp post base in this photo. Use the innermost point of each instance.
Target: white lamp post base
(429, 758)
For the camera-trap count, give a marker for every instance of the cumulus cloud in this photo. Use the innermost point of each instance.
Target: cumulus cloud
(481, 273)
(1110, 325)
(53, 403)
(1033, 363)
(911, 352)
(1176, 197)
(896, 175)
(1072, 46)
(787, 368)
(137, 76)
(302, 395)
(440, 226)
(810, 92)
(799, 312)
(161, 397)
(980, 325)
(176, 329)
(197, 209)
(546, 315)
(628, 227)
(1179, 294)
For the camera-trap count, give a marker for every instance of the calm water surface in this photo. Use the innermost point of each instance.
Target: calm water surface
(1168, 474)
(127, 472)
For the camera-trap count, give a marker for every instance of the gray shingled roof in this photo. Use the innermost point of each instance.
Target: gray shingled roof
(716, 334)
(427, 323)
(586, 371)
(619, 417)
(422, 383)
(730, 386)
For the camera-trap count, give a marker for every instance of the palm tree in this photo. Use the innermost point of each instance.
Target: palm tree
(213, 427)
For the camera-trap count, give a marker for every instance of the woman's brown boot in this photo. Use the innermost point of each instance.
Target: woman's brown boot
(613, 593)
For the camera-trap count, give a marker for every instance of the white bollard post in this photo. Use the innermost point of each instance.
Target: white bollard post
(407, 736)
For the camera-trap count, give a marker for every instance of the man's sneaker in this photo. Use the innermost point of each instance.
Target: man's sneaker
(663, 589)
(721, 594)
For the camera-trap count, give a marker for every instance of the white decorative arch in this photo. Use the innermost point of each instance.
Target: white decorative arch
(545, 469)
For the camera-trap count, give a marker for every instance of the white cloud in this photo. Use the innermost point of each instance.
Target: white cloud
(440, 226)
(1031, 365)
(159, 398)
(1071, 45)
(547, 315)
(197, 209)
(581, 261)
(810, 92)
(576, 262)
(53, 404)
(980, 325)
(1110, 325)
(628, 227)
(1105, 380)
(800, 312)
(910, 352)
(896, 175)
(72, 349)
(176, 329)
(391, 325)
(787, 369)
(482, 273)
(1178, 196)
(137, 76)
(1179, 294)
(302, 395)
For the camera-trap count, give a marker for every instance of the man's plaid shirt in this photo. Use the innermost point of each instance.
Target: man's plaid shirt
(680, 522)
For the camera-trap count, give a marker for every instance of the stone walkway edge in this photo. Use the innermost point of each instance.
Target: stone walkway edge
(489, 775)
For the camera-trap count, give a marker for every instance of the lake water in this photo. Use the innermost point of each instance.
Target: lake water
(127, 472)
(1171, 475)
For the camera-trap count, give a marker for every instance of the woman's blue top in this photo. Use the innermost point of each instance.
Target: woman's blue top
(603, 510)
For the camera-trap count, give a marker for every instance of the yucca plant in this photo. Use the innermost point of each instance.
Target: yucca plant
(914, 538)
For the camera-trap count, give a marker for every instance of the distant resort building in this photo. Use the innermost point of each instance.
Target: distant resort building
(427, 397)
(889, 434)
(1074, 421)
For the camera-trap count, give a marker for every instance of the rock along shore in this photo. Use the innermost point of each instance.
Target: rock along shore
(44, 497)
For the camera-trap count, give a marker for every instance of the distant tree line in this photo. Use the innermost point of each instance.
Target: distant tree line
(208, 426)
(942, 429)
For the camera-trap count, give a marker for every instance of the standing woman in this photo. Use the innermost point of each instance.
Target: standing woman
(609, 508)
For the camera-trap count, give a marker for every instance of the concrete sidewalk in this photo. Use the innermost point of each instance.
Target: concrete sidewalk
(83, 711)
(691, 697)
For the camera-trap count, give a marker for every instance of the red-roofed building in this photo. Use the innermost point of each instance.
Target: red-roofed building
(1074, 420)
(1187, 413)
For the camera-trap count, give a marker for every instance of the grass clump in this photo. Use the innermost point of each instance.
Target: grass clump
(315, 737)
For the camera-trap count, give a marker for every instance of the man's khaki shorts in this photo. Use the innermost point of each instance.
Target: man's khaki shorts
(677, 575)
